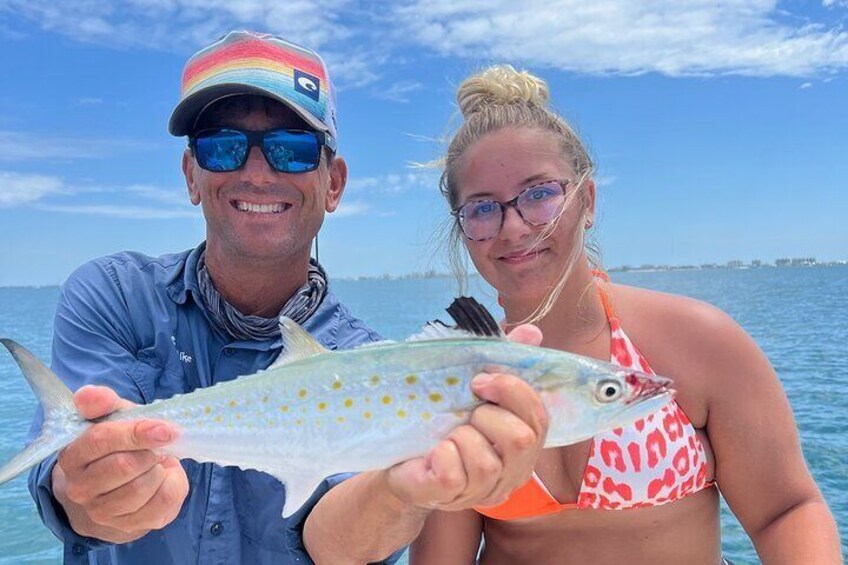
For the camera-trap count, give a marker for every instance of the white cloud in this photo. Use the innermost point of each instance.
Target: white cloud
(350, 208)
(138, 202)
(116, 211)
(397, 92)
(395, 183)
(361, 40)
(805, 86)
(181, 24)
(18, 146)
(160, 195)
(672, 37)
(17, 188)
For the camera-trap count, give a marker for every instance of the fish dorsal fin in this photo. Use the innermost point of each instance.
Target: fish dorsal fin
(472, 317)
(472, 320)
(437, 329)
(297, 343)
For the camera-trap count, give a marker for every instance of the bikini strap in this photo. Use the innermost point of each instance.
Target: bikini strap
(603, 292)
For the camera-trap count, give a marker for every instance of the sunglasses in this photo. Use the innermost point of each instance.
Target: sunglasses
(537, 205)
(223, 150)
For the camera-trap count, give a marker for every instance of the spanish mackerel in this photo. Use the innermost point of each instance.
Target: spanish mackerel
(314, 413)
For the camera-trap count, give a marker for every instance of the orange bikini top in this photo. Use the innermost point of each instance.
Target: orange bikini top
(655, 460)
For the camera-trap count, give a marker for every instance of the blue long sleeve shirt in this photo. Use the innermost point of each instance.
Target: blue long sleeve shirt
(135, 324)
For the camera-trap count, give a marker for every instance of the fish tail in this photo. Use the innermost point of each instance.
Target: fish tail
(57, 401)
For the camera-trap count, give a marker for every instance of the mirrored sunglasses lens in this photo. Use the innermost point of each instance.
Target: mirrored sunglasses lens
(221, 151)
(292, 152)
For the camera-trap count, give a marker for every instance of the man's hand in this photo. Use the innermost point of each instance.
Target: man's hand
(482, 462)
(110, 482)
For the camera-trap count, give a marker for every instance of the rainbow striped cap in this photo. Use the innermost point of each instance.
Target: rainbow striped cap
(244, 62)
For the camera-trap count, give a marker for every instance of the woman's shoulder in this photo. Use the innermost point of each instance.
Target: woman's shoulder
(667, 312)
(686, 339)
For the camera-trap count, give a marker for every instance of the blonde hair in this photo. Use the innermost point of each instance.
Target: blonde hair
(502, 97)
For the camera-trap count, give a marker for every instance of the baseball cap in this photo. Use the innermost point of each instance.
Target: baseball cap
(245, 62)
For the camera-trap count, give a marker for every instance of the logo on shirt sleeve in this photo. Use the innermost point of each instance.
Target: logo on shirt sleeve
(307, 84)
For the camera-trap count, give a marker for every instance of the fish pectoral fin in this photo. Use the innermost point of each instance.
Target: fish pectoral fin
(298, 490)
(297, 343)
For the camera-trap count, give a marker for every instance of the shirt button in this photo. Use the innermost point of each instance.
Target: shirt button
(216, 529)
(78, 549)
(229, 351)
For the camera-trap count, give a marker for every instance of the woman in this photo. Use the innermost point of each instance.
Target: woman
(519, 182)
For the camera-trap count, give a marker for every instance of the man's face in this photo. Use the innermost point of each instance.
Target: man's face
(256, 213)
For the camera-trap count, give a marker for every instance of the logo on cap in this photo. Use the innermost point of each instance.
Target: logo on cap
(307, 84)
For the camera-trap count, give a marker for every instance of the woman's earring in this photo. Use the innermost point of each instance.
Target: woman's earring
(587, 225)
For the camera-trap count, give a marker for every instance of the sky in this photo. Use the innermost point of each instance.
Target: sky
(719, 128)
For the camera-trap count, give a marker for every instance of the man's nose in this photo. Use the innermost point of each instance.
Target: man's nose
(257, 166)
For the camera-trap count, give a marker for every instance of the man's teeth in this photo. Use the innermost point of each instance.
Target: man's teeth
(260, 208)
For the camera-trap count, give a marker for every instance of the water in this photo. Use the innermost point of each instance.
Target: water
(798, 316)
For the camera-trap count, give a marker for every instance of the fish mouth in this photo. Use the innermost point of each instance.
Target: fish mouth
(645, 386)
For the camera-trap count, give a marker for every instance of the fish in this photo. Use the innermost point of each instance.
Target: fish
(314, 412)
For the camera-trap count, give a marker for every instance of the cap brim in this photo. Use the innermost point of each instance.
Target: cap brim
(184, 116)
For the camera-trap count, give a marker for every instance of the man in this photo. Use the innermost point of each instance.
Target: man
(260, 117)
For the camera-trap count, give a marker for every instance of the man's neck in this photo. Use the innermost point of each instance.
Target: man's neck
(257, 287)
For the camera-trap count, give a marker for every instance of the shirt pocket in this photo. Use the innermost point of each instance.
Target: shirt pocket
(156, 377)
(258, 500)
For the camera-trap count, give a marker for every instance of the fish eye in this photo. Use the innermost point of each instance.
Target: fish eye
(608, 391)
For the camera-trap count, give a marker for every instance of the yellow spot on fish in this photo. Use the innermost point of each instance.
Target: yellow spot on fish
(387, 400)
(265, 398)
(302, 393)
(401, 414)
(412, 396)
(340, 419)
(367, 415)
(207, 410)
(452, 381)
(233, 403)
(411, 379)
(238, 416)
(284, 408)
(337, 385)
(367, 400)
(298, 422)
(375, 380)
(348, 402)
(322, 406)
(435, 397)
(426, 416)
(219, 419)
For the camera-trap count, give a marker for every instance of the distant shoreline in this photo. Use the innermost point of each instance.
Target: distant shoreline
(618, 269)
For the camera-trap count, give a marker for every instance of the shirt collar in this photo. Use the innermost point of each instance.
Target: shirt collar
(184, 280)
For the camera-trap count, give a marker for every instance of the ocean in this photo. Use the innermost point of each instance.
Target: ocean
(799, 316)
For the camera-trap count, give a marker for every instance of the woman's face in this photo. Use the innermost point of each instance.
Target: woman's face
(520, 260)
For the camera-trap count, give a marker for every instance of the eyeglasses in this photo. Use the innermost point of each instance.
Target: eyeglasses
(537, 205)
(223, 150)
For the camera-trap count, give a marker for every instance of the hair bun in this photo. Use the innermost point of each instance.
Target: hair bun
(500, 85)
